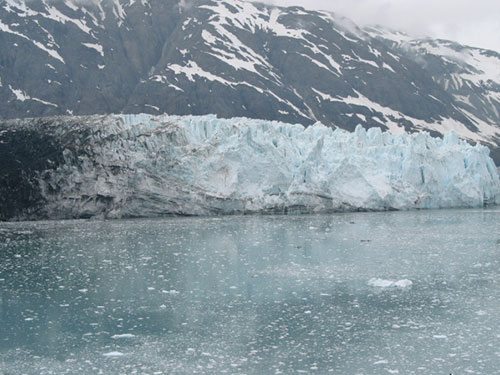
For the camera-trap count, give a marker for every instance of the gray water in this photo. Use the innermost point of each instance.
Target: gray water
(253, 295)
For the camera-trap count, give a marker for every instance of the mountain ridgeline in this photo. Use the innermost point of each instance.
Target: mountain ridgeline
(240, 59)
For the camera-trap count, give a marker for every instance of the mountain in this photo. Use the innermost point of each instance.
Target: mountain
(236, 58)
(120, 166)
(471, 76)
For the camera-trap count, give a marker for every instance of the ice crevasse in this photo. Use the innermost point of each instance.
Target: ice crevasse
(142, 165)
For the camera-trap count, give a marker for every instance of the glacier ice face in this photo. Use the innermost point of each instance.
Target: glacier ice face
(141, 165)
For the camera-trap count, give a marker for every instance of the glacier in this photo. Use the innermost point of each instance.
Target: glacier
(122, 166)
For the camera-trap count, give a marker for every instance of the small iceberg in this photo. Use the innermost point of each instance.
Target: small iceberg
(123, 336)
(381, 283)
(113, 355)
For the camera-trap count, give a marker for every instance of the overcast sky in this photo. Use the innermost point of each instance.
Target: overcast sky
(472, 22)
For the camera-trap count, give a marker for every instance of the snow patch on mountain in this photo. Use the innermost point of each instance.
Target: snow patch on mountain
(51, 52)
(22, 96)
(95, 47)
(192, 70)
(482, 65)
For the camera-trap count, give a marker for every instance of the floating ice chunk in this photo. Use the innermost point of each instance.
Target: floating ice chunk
(123, 336)
(23, 232)
(381, 283)
(172, 292)
(392, 371)
(113, 355)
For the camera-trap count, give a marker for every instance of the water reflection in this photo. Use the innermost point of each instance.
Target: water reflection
(253, 295)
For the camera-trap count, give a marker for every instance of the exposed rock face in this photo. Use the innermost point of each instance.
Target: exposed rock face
(142, 166)
(236, 58)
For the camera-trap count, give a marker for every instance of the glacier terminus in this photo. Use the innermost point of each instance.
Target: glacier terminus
(123, 166)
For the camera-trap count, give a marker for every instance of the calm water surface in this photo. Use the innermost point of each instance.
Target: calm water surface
(368, 293)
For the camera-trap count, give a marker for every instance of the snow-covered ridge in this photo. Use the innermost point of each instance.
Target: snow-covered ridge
(471, 75)
(141, 165)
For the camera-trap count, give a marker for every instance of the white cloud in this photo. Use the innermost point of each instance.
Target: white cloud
(469, 22)
(185, 4)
